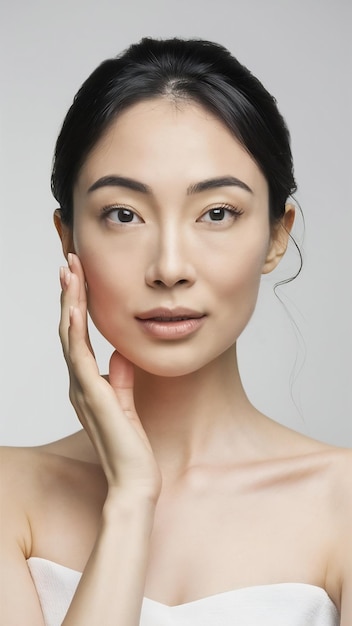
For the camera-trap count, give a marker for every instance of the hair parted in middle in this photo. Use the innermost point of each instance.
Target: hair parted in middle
(180, 70)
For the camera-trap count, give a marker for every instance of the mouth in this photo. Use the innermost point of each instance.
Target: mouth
(170, 315)
(171, 319)
(169, 324)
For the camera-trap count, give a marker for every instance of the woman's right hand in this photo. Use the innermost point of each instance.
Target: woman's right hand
(105, 409)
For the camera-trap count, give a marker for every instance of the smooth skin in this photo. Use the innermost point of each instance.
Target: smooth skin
(177, 488)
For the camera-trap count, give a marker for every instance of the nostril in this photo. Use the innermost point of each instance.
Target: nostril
(161, 283)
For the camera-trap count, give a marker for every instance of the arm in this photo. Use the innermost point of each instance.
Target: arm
(112, 585)
(19, 602)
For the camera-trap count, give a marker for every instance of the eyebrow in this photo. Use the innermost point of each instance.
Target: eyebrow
(120, 181)
(214, 183)
(135, 185)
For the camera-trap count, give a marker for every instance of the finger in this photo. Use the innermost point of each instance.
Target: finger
(69, 298)
(80, 358)
(120, 373)
(93, 396)
(121, 379)
(77, 269)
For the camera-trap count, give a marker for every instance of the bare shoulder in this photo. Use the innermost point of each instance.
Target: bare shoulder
(22, 466)
(318, 479)
(76, 446)
(337, 470)
(339, 479)
(32, 476)
(322, 470)
(332, 464)
(306, 454)
(15, 495)
(339, 570)
(341, 469)
(38, 489)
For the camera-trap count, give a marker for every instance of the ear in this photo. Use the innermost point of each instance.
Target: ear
(65, 233)
(279, 239)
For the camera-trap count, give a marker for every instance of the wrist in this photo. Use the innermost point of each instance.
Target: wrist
(126, 506)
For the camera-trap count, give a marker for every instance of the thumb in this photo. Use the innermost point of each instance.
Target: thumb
(121, 378)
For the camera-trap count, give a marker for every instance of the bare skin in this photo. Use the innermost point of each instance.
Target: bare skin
(235, 505)
(175, 471)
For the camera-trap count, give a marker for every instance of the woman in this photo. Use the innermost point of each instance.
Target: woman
(179, 501)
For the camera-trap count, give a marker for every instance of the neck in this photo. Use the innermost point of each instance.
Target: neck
(197, 418)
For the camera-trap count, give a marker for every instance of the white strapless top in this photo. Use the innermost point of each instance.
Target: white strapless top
(284, 604)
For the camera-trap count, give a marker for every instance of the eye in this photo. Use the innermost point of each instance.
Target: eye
(121, 215)
(221, 214)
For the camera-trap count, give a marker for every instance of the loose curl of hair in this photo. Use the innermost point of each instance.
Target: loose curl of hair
(187, 70)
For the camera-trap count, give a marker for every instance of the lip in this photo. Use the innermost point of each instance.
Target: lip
(165, 313)
(165, 323)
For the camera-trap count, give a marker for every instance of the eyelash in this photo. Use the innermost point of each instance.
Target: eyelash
(106, 210)
(234, 211)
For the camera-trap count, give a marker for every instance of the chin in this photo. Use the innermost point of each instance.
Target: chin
(171, 368)
(164, 361)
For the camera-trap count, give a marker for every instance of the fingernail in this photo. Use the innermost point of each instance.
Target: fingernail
(69, 259)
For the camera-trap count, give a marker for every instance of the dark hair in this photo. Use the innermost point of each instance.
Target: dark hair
(195, 70)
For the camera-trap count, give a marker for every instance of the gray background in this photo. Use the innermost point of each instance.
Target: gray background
(301, 51)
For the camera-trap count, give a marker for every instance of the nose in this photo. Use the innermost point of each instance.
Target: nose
(171, 261)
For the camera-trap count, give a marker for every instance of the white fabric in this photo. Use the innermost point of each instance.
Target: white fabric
(285, 604)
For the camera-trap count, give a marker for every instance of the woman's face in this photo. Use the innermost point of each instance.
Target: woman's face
(171, 225)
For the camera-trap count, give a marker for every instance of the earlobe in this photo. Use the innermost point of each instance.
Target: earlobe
(279, 239)
(64, 232)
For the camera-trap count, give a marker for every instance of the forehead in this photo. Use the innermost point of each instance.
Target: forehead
(173, 142)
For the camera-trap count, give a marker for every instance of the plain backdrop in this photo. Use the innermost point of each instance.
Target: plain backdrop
(295, 356)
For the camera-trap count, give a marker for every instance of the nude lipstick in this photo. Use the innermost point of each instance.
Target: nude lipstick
(165, 323)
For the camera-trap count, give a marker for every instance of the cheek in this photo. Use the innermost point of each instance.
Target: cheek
(108, 286)
(238, 261)
(237, 281)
